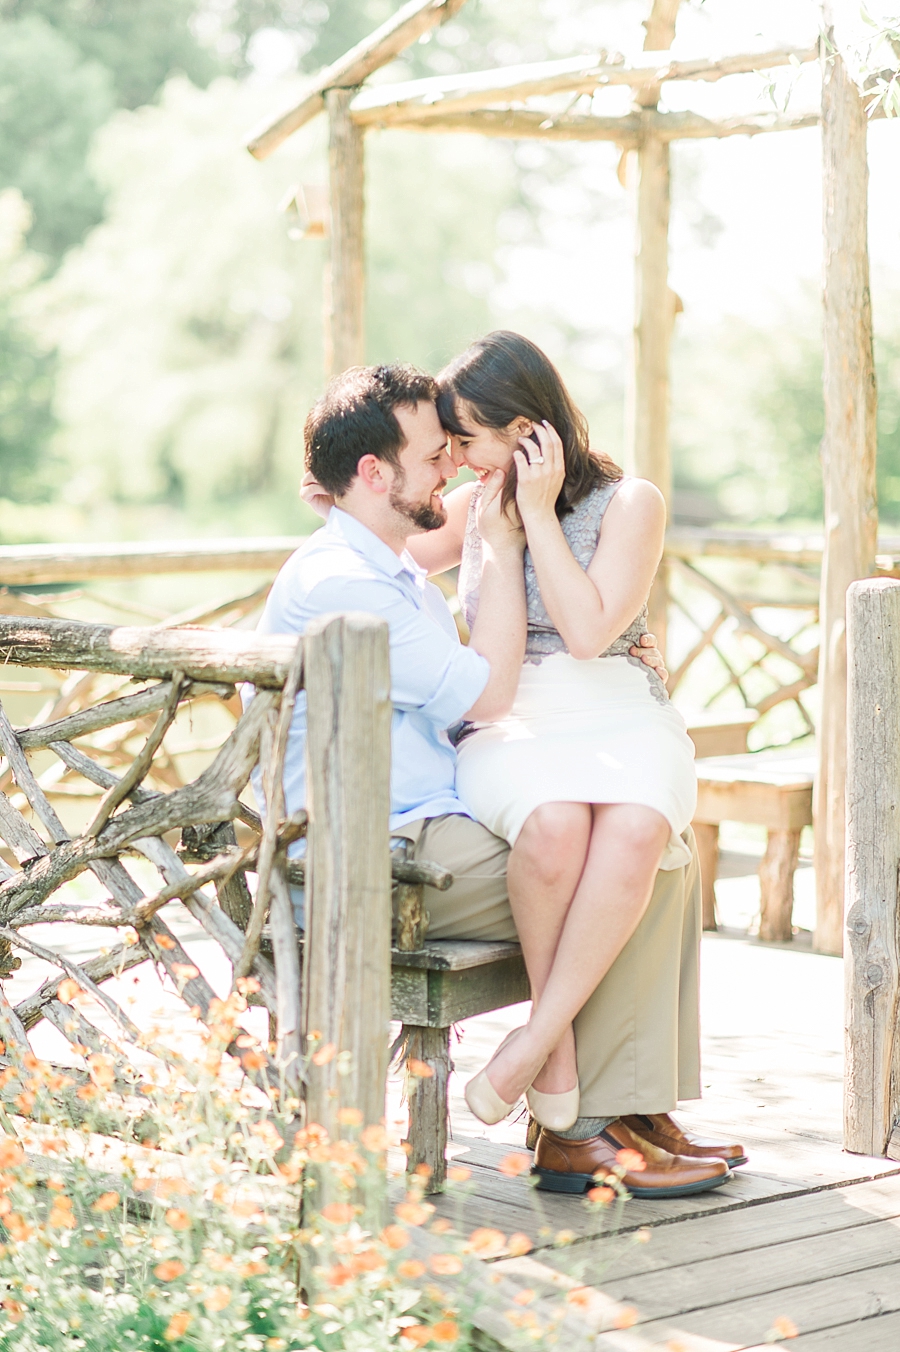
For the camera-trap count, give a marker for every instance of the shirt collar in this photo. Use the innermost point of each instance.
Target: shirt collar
(367, 543)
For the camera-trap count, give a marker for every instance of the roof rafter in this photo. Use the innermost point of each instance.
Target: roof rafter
(627, 131)
(386, 43)
(424, 99)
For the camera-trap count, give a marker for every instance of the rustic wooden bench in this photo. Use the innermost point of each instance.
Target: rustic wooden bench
(720, 734)
(766, 788)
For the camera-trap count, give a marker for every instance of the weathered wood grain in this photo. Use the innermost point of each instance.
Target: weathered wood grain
(345, 337)
(872, 1073)
(776, 886)
(428, 1049)
(849, 448)
(211, 655)
(346, 986)
(21, 565)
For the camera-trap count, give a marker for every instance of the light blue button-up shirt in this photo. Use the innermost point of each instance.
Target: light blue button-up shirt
(434, 678)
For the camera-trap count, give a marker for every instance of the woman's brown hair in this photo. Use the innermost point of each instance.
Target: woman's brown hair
(504, 376)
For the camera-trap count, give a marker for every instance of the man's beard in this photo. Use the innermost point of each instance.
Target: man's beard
(421, 514)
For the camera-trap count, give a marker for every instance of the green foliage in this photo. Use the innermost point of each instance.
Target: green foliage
(26, 419)
(51, 103)
(138, 42)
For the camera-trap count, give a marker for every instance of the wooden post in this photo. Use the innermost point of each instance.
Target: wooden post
(345, 295)
(347, 954)
(848, 459)
(647, 412)
(872, 961)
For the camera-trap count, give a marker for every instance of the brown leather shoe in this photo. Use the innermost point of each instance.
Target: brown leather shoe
(575, 1166)
(662, 1130)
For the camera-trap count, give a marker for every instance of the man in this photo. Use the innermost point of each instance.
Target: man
(376, 447)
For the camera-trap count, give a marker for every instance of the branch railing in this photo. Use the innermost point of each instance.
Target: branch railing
(341, 668)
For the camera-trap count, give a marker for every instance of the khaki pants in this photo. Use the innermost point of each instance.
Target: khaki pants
(638, 1036)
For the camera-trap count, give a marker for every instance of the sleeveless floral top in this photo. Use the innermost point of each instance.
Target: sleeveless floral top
(581, 527)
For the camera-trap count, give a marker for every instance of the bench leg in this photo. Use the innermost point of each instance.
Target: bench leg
(776, 886)
(707, 837)
(428, 1104)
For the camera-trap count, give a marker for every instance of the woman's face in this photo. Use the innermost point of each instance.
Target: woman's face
(485, 449)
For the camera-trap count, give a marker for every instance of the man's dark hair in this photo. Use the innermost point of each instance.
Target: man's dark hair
(355, 417)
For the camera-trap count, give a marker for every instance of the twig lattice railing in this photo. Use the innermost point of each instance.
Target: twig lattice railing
(343, 664)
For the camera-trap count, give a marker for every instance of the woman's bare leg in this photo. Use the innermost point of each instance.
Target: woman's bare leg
(545, 866)
(627, 841)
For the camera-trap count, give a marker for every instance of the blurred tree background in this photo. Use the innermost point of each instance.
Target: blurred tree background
(160, 330)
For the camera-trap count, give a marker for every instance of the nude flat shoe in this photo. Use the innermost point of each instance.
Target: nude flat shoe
(482, 1097)
(556, 1112)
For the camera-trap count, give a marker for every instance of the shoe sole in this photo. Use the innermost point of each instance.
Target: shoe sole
(551, 1181)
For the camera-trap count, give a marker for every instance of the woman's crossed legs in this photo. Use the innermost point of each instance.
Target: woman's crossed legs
(580, 879)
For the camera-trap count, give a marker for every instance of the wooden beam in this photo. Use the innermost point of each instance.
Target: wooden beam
(355, 66)
(345, 307)
(872, 961)
(848, 461)
(347, 954)
(647, 396)
(23, 565)
(215, 655)
(381, 105)
(625, 130)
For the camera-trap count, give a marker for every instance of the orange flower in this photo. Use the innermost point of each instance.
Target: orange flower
(411, 1269)
(185, 971)
(515, 1164)
(445, 1331)
(61, 1217)
(350, 1117)
(395, 1237)
(782, 1328)
(366, 1261)
(419, 1070)
(324, 1054)
(441, 1226)
(169, 1270)
(11, 1153)
(178, 1219)
(107, 1201)
(255, 1268)
(67, 990)
(519, 1244)
(524, 1297)
(458, 1174)
(164, 941)
(445, 1264)
(338, 1213)
(218, 1298)
(413, 1213)
(14, 1310)
(602, 1196)
(178, 1325)
(248, 985)
(486, 1242)
(253, 1060)
(643, 1236)
(626, 1318)
(374, 1138)
(580, 1297)
(174, 1187)
(101, 1069)
(267, 1133)
(18, 1227)
(632, 1161)
(417, 1334)
(338, 1275)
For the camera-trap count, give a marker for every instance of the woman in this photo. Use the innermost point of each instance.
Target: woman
(592, 751)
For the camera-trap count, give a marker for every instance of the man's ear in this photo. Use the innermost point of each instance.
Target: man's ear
(371, 473)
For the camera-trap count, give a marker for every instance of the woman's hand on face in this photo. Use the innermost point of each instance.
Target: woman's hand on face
(315, 496)
(540, 472)
(495, 526)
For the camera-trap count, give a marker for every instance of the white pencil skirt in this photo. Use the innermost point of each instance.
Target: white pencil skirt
(600, 731)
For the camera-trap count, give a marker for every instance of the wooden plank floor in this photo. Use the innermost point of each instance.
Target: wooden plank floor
(804, 1233)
